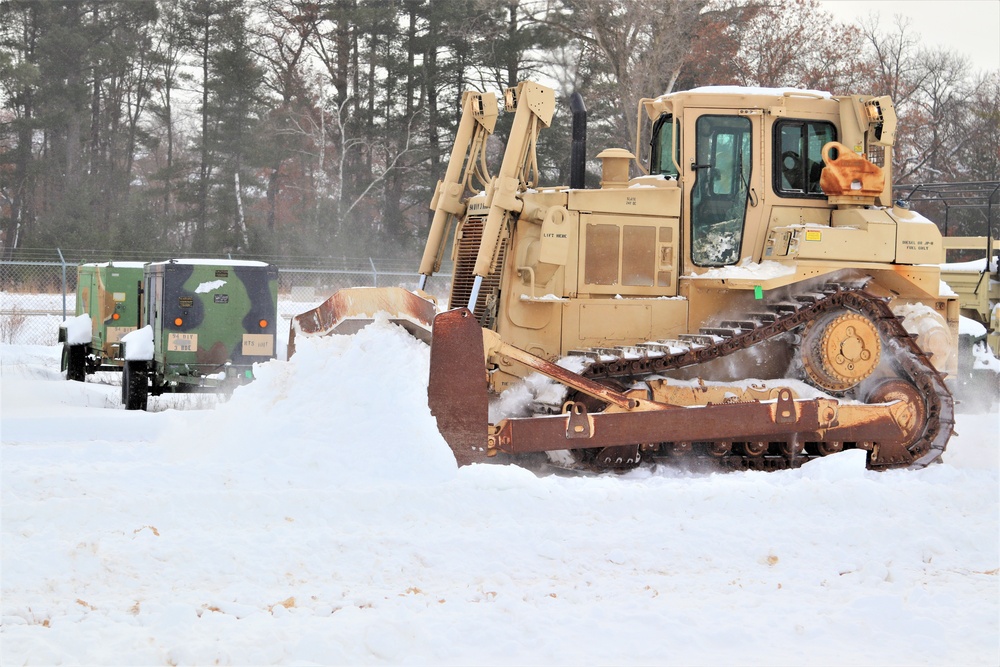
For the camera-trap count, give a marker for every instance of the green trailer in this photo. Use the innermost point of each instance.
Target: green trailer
(206, 322)
(108, 293)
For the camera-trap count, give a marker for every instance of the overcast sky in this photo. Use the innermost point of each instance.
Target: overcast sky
(970, 27)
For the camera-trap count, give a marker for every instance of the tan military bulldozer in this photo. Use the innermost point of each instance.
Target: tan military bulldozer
(740, 291)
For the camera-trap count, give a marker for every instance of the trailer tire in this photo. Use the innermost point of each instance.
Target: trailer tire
(135, 385)
(75, 362)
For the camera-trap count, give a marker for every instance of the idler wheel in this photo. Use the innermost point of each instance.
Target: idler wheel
(910, 420)
(839, 350)
(756, 448)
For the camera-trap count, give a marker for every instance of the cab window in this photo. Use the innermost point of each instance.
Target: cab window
(663, 137)
(798, 159)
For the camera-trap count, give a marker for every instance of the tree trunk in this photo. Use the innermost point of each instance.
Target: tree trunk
(201, 222)
(430, 83)
(95, 111)
(241, 225)
(513, 54)
(22, 211)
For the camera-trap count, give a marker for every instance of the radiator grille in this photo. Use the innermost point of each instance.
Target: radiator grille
(465, 262)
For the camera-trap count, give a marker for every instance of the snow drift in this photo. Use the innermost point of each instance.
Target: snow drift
(317, 517)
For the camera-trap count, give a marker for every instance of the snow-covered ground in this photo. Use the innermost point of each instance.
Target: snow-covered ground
(317, 517)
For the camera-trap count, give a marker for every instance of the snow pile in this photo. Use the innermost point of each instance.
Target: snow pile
(346, 411)
(139, 344)
(318, 518)
(967, 325)
(79, 329)
(518, 401)
(546, 297)
(749, 270)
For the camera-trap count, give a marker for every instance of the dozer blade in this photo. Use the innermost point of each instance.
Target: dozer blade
(350, 310)
(458, 398)
(457, 388)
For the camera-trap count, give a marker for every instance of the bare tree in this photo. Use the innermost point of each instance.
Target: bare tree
(282, 45)
(637, 48)
(797, 44)
(167, 58)
(935, 135)
(981, 157)
(896, 69)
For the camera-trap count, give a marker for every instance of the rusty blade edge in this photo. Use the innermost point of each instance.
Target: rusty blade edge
(457, 386)
(701, 424)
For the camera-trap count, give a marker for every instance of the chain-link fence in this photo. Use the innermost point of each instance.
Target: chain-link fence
(36, 295)
(34, 298)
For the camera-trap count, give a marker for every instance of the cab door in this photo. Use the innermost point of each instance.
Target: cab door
(721, 187)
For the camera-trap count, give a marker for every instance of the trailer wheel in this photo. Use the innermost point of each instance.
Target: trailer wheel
(74, 360)
(135, 385)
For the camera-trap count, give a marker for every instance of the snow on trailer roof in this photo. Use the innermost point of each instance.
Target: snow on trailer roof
(212, 262)
(121, 265)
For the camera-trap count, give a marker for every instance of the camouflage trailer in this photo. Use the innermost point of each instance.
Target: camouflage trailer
(109, 293)
(210, 321)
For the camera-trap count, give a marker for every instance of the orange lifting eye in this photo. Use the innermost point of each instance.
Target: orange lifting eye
(115, 316)
(178, 321)
(263, 324)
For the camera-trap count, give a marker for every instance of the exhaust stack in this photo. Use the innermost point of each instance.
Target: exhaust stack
(578, 156)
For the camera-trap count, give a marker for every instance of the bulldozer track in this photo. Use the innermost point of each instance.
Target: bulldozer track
(789, 316)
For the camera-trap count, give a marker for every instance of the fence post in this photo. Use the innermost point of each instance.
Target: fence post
(63, 261)
(374, 273)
